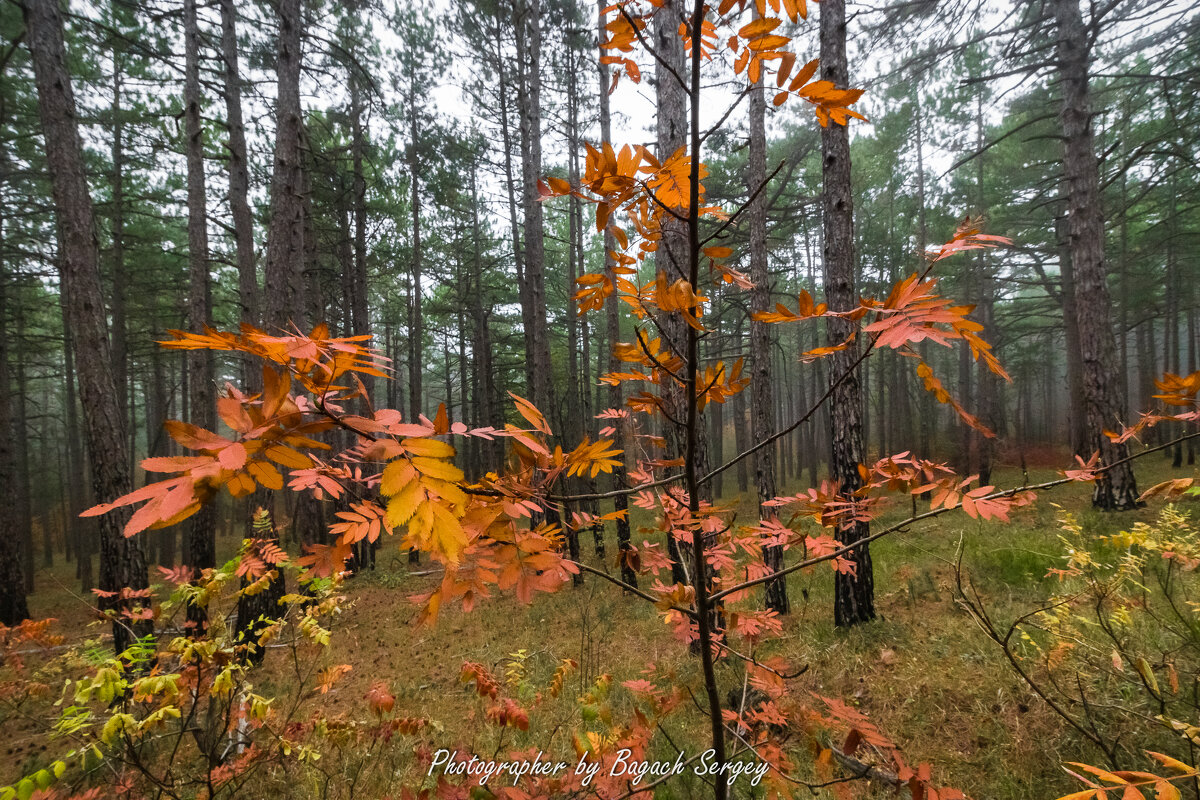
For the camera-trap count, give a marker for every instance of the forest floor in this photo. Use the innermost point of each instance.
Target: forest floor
(923, 672)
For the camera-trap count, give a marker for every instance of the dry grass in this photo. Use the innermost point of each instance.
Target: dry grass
(923, 672)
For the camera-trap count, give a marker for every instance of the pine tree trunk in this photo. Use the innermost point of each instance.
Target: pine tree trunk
(671, 256)
(854, 594)
(202, 526)
(1116, 488)
(485, 395)
(286, 258)
(82, 530)
(574, 428)
(284, 271)
(120, 278)
(358, 284)
(612, 321)
(122, 563)
(510, 184)
(761, 423)
(239, 180)
(537, 338)
(13, 606)
(22, 507)
(416, 359)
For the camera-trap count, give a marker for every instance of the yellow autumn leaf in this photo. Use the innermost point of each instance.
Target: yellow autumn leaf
(396, 475)
(403, 504)
(432, 448)
(436, 468)
(449, 538)
(288, 456)
(1165, 790)
(448, 491)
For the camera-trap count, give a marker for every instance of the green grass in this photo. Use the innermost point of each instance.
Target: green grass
(922, 672)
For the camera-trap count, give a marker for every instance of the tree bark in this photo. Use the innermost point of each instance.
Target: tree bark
(202, 526)
(22, 507)
(854, 598)
(284, 273)
(537, 339)
(360, 312)
(13, 605)
(239, 180)
(510, 184)
(120, 278)
(1116, 488)
(612, 321)
(575, 427)
(416, 360)
(761, 418)
(122, 563)
(671, 256)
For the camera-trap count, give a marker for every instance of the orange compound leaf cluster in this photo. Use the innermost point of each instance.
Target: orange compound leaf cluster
(317, 359)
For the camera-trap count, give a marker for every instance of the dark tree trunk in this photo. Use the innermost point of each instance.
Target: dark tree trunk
(612, 321)
(82, 530)
(1076, 407)
(575, 426)
(13, 607)
(1116, 488)
(239, 180)
(671, 256)
(486, 393)
(529, 99)
(761, 422)
(416, 359)
(120, 278)
(201, 530)
(122, 563)
(358, 284)
(986, 383)
(854, 598)
(285, 262)
(510, 185)
(22, 507)
(157, 441)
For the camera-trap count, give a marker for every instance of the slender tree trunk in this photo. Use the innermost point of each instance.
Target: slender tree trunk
(485, 396)
(671, 256)
(122, 563)
(925, 403)
(612, 321)
(82, 530)
(529, 31)
(13, 606)
(708, 614)
(358, 285)
(22, 507)
(1076, 407)
(761, 423)
(202, 525)
(1172, 348)
(1115, 488)
(157, 441)
(854, 598)
(285, 261)
(120, 278)
(574, 422)
(239, 180)
(510, 184)
(416, 359)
